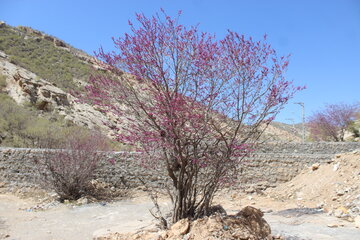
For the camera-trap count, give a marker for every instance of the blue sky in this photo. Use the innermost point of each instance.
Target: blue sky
(323, 37)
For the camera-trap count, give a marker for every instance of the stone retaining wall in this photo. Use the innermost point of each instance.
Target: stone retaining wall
(309, 148)
(18, 168)
(268, 165)
(280, 162)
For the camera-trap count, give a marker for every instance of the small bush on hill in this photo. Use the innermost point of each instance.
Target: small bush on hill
(2, 82)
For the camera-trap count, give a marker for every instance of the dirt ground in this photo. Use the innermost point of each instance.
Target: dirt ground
(60, 221)
(321, 203)
(67, 221)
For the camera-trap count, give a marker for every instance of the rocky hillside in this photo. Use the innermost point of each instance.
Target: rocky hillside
(38, 72)
(278, 131)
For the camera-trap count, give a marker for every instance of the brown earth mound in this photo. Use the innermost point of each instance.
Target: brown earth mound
(333, 186)
(248, 224)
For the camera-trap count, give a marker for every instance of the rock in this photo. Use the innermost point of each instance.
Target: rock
(250, 190)
(320, 205)
(181, 227)
(54, 195)
(49, 38)
(2, 24)
(3, 55)
(255, 221)
(278, 236)
(340, 192)
(315, 166)
(2, 184)
(332, 225)
(82, 201)
(336, 167)
(341, 212)
(59, 43)
(357, 151)
(357, 221)
(247, 224)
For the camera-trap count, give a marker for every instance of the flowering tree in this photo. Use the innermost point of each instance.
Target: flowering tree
(193, 104)
(330, 123)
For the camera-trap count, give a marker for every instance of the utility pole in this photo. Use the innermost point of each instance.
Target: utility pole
(303, 120)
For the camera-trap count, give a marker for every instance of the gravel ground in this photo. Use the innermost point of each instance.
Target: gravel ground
(18, 221)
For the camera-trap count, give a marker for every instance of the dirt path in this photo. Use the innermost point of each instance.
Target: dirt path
(314, 227)
(67, 222)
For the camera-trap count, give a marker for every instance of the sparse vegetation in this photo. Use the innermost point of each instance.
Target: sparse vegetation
(354, 127)
(69, 169)
(331, 123)
(21, 126)
(2, 82)
(43, 58)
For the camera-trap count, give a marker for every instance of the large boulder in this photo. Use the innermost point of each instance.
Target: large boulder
(248, 224)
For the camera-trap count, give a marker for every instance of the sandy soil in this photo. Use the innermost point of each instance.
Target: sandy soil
(334, 186)
(313, 198)
(65, 221)
(68, 222)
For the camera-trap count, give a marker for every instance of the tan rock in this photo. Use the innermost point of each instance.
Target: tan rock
(357, 221)
(247, 224)
(181, 227)
(340, 212)
(82, 201)
(315, 166)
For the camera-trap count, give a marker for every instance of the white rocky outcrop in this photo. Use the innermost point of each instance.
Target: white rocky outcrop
(26, 87)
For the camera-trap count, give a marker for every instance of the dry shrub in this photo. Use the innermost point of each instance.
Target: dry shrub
(68, 166)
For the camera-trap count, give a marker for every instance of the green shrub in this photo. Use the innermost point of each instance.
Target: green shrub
(14, 120)
(2, 82)
(354, 127)
(20, 126)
